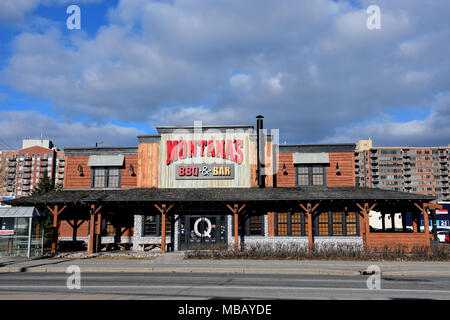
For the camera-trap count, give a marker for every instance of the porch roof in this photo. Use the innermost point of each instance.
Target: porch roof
(198, 195)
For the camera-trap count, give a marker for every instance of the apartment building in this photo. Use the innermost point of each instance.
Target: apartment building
(22, 169)
(420, 170)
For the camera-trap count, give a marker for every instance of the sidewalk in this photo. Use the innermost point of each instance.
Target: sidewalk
(174, 262)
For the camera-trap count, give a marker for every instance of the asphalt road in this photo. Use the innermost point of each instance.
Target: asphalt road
(218, 286)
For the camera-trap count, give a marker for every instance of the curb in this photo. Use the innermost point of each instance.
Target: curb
(223, 270)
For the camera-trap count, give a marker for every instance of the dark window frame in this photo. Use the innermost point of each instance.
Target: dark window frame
(330, 223)
(311, 174)
(247, 225)
(157, 226)
(303, 224)
(107, 177)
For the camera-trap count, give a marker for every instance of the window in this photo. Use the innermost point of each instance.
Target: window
(311, 175)
(323, 224)
(338, 226)
(282, 224)
(291, 224)
(253, 225)
(338, 223)
(152, 226)
(106, 177)
(350, 221)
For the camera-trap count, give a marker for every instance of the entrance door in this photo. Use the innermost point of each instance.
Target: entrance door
(202, 231)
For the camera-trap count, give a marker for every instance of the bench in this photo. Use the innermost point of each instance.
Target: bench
(153, 245)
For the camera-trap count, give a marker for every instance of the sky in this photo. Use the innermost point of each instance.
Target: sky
(313, 69)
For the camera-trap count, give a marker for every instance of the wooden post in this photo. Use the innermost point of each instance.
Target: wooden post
(56, 224)
(91, 230)
(163, 229)
(426, 224)
(236, 210)
(365, 213)
(309, 210)
(93, 212)
(163, 210)
(55, 229)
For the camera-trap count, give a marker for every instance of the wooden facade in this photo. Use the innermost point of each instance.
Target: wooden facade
(149, 186)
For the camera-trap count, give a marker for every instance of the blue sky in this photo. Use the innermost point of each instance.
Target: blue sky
(312, 68)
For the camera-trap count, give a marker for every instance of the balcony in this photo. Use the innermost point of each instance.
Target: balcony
(27, 164)
(12, 163)
(26, 182)
(10, 189)
(27, 158)
(43, 169)
(10, 176)
(407, 160)
(25, 188)
(61, 164)
(12, 170)
(61, 170)
(26, 170)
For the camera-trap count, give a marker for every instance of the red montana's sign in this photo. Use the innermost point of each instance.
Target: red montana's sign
(220, 149)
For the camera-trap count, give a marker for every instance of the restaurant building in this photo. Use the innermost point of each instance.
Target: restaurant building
(227, 186)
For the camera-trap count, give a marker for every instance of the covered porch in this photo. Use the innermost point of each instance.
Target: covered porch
(76, 207)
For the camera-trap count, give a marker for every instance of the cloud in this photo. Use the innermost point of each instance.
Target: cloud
(15, 11)
(409, 133)
(16, 125)
(312, 68)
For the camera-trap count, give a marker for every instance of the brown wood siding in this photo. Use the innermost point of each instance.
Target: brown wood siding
(288, 179)
(66, 229)
(271, 224)
(148, 163)
(346, 161)
(72, 179)
(395, 241)
(129, 180)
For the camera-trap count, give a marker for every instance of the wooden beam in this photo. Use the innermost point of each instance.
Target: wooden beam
(93, 212)
(236, 229)
(163, 229)
(56, 224)
(235, 209)
(99, 223)
(309, 210)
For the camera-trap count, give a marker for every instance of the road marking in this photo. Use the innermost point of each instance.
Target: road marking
(215, 287)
